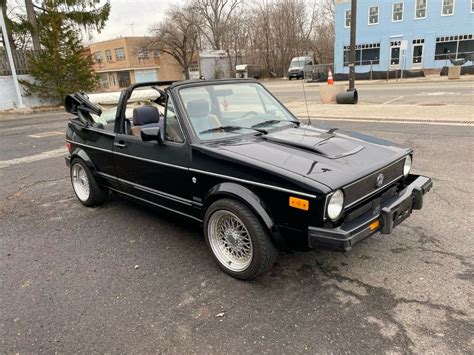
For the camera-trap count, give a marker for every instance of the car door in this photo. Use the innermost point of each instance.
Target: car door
(94, 134)
(156, 172)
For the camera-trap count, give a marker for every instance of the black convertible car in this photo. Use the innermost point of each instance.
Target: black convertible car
(229, 155)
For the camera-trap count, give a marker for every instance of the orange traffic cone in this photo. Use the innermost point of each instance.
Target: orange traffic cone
(330, 78)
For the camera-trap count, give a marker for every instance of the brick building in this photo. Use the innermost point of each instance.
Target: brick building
(123, 61)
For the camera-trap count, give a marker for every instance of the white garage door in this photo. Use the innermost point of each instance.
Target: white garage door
(145, 75)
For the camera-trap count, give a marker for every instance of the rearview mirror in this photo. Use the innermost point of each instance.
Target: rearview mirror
(151, 134)
(223, 92)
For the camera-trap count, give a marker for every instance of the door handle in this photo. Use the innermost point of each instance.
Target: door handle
(120, 144)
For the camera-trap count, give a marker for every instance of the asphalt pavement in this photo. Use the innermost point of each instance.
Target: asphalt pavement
(125, 279)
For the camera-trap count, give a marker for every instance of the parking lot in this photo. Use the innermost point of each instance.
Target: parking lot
(123, 278)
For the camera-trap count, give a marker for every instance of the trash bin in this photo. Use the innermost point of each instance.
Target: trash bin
(454, 72)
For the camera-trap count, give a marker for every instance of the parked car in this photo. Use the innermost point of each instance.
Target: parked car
(297, 64)
(228, 155)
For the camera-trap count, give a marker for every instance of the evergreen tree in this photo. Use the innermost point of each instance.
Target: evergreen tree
(61, 67)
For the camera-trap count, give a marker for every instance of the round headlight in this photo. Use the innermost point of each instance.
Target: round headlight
(407, 166)
(335, 205)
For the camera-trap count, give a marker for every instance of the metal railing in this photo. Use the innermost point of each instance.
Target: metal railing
(20, 58)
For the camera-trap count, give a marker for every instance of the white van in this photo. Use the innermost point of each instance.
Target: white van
(296, 69)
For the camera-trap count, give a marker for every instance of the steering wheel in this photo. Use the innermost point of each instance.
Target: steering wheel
(250, 113)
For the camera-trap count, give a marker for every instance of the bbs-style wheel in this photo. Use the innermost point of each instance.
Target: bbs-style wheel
(239, 242)
(86, 188)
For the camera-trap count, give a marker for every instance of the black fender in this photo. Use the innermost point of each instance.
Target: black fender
(81, 154)
(249, 198)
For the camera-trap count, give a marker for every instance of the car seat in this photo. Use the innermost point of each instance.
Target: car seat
(145, 117)
(198, 112)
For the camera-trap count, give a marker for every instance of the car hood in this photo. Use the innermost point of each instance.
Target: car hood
(330, 157)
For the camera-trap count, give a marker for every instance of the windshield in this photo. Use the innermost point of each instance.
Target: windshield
(229, 110)
(298, 62)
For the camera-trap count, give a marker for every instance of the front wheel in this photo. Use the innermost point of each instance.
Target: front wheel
(239, 243)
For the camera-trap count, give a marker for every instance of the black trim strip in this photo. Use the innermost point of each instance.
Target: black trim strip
(153, 191)
(156, 204)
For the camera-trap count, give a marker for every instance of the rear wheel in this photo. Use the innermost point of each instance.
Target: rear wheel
(86, 188)
(239, 243)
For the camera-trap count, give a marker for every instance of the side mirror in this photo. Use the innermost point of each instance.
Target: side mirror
(151, 134)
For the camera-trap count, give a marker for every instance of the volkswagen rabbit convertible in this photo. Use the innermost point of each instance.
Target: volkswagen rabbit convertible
(228, 155)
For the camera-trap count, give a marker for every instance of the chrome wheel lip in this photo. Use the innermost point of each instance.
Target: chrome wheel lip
(80, 182)
(230, 241)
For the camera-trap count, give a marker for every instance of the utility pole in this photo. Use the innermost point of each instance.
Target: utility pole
(6, 43)
(351, 96)
(352, 54)
(31, 16)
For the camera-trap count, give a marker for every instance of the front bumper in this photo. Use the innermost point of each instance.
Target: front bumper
(392, 212)
(295, 74)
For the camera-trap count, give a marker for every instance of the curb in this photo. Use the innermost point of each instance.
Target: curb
(392, 120)
(399, 82)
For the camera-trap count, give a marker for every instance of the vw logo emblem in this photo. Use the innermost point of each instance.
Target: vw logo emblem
(379, 180)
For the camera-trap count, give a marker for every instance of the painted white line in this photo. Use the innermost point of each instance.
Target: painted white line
(390, 101)
(41, 156)
(46, 134)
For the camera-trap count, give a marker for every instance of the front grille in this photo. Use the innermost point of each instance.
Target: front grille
(364, 187)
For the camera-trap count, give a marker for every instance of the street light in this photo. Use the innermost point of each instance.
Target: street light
(6, 43)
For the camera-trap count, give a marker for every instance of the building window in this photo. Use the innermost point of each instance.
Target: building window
(98, 57)
(366, 54)
(156, 52)
(472, 6)
(119, 53)
(420, 9)
(397, 12)
(447, 7)
(103, 80)
(347, 22)
(373, 15)
(417, 55)
(143, 53)
(454, 47)
(108, 55)
(123, 78)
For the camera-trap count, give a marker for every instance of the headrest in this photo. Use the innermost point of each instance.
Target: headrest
(198, 108)
(145, 115)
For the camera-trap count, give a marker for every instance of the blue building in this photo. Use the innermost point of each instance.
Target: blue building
(404, 34)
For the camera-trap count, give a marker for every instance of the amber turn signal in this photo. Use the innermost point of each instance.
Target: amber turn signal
(299, 203)
(374, 225)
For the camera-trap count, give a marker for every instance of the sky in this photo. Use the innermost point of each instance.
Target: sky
(132, 18)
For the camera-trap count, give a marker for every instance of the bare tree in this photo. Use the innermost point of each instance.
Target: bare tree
(266, 32)
(177, 36)
(216, 17)
(31, 16)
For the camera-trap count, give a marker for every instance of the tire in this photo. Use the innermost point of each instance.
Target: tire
(289, 78)
(85, 186)
(247, 250)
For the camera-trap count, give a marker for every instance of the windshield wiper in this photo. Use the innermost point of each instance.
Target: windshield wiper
(230, 129)
(269, 122)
